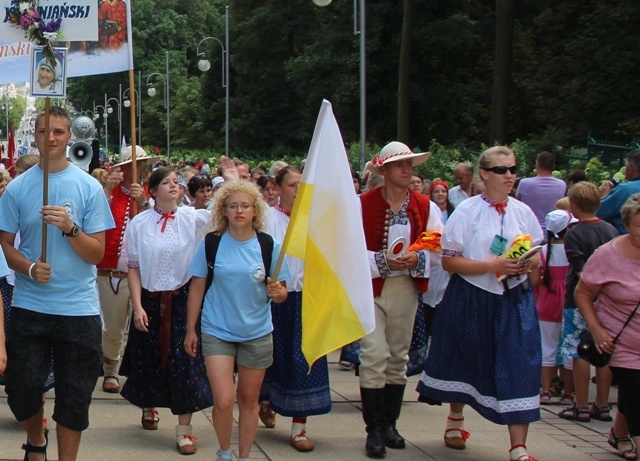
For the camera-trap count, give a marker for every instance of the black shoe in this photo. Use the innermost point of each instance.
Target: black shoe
(392, 437)
(375, 445)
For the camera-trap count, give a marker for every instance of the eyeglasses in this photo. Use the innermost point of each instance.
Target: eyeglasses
(236, 206)
(502, 169)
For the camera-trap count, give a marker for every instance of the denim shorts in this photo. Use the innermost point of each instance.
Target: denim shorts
(75, 343)
(255, 353)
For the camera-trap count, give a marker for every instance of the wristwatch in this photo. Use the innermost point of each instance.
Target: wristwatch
(73, 232)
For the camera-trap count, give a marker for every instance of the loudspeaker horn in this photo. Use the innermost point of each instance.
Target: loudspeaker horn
(83, 128)
(80, 153)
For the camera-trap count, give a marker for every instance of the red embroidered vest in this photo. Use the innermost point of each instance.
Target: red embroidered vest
(120, 207)
(376, 214)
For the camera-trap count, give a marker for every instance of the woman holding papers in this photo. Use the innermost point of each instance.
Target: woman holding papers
(290, 388)
(486, 348)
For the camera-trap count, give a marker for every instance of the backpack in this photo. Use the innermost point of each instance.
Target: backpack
(212, 242)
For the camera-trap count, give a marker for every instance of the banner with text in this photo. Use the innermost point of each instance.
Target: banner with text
(98, 41)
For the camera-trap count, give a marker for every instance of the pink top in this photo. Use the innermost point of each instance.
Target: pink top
(619, 280)
(551, 303)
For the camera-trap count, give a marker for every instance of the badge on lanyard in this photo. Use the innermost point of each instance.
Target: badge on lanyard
(498, 245)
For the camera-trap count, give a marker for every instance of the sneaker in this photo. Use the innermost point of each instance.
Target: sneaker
(545, 398)
(566, 399)
(345, 366)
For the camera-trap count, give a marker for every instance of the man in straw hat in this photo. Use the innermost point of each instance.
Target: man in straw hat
(390, 212)
(55, 309)
(121, 192)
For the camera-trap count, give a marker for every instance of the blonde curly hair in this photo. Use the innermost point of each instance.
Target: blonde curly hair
(220, 222)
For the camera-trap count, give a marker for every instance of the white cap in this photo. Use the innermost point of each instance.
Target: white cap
(558, 220)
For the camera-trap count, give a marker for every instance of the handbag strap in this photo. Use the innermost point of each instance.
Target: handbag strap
(626, 323)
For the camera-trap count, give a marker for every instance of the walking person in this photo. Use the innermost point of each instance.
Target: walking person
(123, 192)
(290, 388)
(579, 244)
(550, 291)
(611, 276)
(160, 245)
(485, 350)
(55, 304)
(235, 308)
(389, 212)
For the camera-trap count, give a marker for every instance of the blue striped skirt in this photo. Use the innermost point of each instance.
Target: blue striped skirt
(288, 385)
(486, 353)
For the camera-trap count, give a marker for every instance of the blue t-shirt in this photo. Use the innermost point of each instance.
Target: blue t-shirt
(236, 307)
(71, 290)
(610, 206)
(4, 268)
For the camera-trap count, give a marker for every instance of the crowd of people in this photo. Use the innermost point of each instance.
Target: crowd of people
(188, 253)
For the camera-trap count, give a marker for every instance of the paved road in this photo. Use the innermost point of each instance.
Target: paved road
(115, 433)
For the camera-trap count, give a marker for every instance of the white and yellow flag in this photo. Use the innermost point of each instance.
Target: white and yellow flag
(326, 232)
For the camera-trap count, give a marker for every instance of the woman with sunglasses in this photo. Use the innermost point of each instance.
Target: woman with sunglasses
(201, 190)
(486, 350)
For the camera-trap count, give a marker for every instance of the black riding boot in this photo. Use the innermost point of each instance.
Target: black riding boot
(373, 415)
(393, 394)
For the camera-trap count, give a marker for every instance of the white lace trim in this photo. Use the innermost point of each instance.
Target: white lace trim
(499, 406)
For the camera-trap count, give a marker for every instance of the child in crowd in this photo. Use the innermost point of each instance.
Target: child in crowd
(580, 242)
(550, 295)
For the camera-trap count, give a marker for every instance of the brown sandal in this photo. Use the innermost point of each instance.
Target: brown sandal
(520, 450)
(150, 419)
(456, 443)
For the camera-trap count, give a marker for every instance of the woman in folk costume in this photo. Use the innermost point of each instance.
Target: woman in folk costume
(289, 388)
(160, 244)
(486, 350)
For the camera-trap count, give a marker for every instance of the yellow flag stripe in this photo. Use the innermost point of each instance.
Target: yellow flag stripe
(329, 320)
(295, 239)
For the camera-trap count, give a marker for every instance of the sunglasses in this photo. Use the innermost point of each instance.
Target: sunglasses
(502, 169)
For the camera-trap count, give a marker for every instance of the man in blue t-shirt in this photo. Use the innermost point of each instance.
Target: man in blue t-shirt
(55, 310)
(610, 206)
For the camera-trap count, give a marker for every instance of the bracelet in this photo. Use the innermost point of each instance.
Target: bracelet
(30, 268)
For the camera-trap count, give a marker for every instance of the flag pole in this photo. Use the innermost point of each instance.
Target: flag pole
(45, 175)
(132, 98)
(132, 111)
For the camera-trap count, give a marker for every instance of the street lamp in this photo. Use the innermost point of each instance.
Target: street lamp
(105, 115)
(126, 103)
(6, 106)
(151, 91)
(204, 65)
(358, 20)
(110, 111)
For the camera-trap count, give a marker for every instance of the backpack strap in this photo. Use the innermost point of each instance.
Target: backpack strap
(212, 242)
(266, 248)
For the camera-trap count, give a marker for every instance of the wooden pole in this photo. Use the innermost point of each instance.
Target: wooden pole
(132, 111)
(45, 175)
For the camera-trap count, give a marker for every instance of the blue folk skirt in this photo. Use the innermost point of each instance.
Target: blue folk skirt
(288, 385)
(160, 372)
(486, 353)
